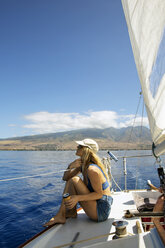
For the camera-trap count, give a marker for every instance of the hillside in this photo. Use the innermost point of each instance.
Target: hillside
(109, 138)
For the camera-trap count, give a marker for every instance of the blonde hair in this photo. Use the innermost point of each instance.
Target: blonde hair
(89, 157)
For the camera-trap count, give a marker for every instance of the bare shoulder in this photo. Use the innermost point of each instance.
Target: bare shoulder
(93, 170)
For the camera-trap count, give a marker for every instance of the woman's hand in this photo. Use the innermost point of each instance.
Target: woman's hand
(73, 169)
(76, 163)
(71, 202)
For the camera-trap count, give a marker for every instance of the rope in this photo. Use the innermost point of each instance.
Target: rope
(107, 165)
(38, 175)
(115, 182)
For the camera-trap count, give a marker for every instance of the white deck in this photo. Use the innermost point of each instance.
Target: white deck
(87, 229)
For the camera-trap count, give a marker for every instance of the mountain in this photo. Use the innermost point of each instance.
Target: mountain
(109, 138)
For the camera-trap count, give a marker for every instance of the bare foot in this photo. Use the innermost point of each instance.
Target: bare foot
(55, 220)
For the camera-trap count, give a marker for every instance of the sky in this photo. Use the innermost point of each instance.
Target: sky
(64, 65)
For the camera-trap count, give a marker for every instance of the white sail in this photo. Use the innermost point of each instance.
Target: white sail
(146, 26)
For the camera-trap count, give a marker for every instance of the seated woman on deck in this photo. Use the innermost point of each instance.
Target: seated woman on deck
(92, 193)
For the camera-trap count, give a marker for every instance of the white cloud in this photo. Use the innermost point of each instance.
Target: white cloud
(12, 125)
(45, 122)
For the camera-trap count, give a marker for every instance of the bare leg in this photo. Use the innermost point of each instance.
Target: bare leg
(90, 207)
(63, 213)
(71, 213)
(75, 186)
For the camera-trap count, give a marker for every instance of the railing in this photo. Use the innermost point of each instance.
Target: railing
(107, 163)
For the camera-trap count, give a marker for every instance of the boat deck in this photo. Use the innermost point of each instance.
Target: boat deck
(86, 232)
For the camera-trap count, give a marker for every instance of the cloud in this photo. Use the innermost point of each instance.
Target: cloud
(12, 125)
(45, 122)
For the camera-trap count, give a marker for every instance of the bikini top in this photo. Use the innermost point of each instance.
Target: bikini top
(105, 185)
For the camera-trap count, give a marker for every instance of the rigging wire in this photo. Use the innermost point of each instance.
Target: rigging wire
(140, 136)
(133, 124)
(38, 175)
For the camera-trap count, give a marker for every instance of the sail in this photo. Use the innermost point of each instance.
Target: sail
(146, 26)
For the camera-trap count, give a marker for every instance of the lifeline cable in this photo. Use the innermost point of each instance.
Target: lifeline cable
(38, 175)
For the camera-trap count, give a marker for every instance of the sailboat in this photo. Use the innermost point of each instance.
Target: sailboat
(125, 225)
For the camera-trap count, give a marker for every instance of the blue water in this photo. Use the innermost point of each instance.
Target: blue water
(26, 204)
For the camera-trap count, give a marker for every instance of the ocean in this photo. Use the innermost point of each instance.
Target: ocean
(27, 202)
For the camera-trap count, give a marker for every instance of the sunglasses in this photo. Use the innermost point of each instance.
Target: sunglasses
(79, 147)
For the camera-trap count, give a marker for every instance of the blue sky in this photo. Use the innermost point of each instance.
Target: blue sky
(65, 64)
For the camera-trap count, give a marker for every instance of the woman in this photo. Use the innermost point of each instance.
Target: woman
(93, 192)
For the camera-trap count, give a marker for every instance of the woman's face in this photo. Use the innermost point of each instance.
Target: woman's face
(79, 151)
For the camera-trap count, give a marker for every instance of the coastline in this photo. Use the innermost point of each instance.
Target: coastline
(148, 147)
(107, 139)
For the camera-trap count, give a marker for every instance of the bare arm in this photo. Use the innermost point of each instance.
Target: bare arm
(73, 169)
(158, 208)
(95, 179)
